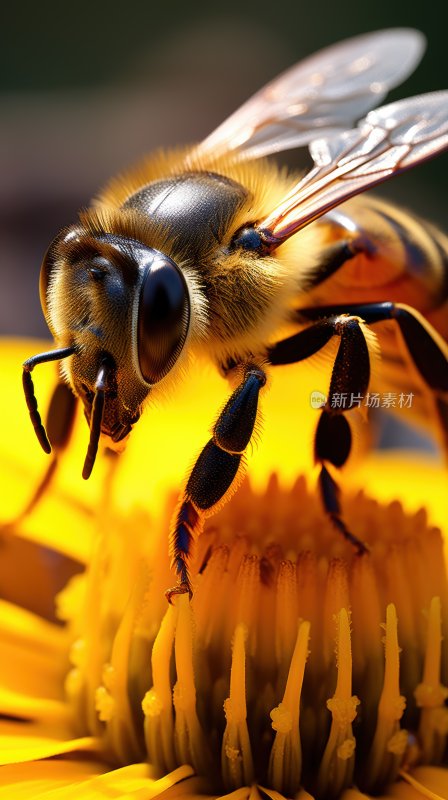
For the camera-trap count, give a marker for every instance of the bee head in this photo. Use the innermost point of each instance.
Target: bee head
(124, 309)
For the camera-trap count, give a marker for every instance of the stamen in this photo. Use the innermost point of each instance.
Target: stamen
(337, 765)
(236, 754)
(390, 741)
(91, 623)
(430, 695)
(285, 764)
(399, 591)
(191, 746)
(210, 598)
(104, 704)
(286, 617)
(249, 587)
(158, 701)
(120, 729)
(242, 645)
(336, 597)
(366, 621)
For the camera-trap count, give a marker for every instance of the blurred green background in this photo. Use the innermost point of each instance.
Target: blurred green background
(87, 88)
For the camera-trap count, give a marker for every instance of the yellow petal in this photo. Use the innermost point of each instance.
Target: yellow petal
(31, 576)
(29, 741)
(134, 782)
(272, 794)
(15, 704)
(22, 462)
(34, 653)
(287, 417)
(423, 783)
(26, 781)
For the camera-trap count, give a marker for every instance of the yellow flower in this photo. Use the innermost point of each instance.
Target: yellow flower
(299, 670)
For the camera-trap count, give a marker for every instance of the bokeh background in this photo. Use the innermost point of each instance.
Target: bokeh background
(87, 88)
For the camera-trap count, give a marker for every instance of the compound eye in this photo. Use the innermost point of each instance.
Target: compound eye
(98, 268)
(163, 319)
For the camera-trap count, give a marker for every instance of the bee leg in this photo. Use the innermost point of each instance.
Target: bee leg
(347, 240)
(214, 472)
(349, 380)
(334, 257)
(332, 444)
(426, 348)
(333, 439)
(59, 425)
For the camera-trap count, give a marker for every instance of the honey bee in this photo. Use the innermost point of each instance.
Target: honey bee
(214, 249)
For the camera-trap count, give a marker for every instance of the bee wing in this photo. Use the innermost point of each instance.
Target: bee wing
(388, 141)
(326, 92)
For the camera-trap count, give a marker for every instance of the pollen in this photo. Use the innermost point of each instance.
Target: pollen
(151, 704)
(298, 665)
(104, 704)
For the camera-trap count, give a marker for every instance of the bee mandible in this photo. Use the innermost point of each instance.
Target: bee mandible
(213, 249)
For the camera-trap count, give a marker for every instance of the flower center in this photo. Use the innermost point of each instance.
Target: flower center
(297, 663)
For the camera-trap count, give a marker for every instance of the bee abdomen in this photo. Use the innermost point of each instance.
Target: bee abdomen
(394, 255)
(425, 248)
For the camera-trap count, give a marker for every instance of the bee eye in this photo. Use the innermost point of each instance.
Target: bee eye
(98, 268)
(251, 240)
(163, 319)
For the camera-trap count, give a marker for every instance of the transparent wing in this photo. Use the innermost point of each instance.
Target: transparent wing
(329, 91)
(389, 140)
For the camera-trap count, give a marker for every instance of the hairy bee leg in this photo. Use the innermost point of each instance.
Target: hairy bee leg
(333, 439)
(214, 472)
(425, 346)
(59, 426)
(332, 445)
(350, 378)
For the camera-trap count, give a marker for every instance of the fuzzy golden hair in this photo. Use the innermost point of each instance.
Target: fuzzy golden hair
(247, 297)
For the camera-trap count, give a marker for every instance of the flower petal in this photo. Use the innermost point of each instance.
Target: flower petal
(22, 463)
(26, 781)
(34, 653)
(29, 741)
(31, 576)
(423, 783)
(134, 781)
(14, 704)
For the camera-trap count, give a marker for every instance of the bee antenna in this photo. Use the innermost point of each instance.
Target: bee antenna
(28, 388)
(96, 419)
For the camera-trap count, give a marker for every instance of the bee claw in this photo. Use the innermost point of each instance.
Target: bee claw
(181, 588)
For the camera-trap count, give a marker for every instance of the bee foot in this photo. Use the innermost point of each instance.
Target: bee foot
(181, 588)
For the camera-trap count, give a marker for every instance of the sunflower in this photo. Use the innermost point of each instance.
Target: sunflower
(298, 670)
